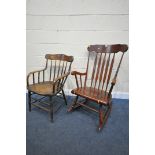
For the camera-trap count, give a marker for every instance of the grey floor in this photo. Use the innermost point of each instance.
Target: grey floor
(76, 133)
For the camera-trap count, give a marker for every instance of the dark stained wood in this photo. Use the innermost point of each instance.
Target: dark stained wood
(64, 96)
(100, 99)
(75, 104)
(43, 75)
(97, 48)
(108, 48)
(51, 109)
(31, 73)
(62, 68)
(64, 76)
(87, 70)
(100, 116)
(41, 107)
(76, 81)
(81, 81)
(103, 115)
(54, 70)
(49, 85)
(119, 66)
(106, 70)
(29, 100)
(84, 105)
(102, 69)
(117, 48)
(98, 90)
(77, 73)
(50, 71)
(38, 77)
(94, 69)
(33, 78)
(98, 70)
(110, 71)
(62, 57)
(65, 68)
(59, 68)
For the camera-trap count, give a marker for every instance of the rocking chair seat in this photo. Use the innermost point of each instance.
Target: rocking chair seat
(96, 95)
(42, 88)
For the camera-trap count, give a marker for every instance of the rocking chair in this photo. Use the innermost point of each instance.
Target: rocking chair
(49, 81)
(93, 85)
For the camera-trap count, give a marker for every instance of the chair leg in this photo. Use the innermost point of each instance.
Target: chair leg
(100, 117)
(51, 109)
(64, 96)
(73, 104)
(103, 118)
(29, 100)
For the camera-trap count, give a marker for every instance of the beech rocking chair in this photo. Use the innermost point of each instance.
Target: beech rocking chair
(93, 85)
(49, 81)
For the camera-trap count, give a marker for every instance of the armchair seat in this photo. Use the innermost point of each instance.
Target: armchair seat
(42, 88)
(99, 96)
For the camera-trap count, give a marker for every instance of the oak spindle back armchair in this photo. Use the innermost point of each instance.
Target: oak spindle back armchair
(49, 81)
(96, 84)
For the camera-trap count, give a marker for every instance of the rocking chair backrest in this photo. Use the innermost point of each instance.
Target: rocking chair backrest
(102, 65)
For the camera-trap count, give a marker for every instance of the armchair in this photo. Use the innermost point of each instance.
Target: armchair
(49, 81)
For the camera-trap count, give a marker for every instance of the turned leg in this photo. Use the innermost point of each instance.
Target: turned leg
(103, 117)
(73, 105)
(51, 109)
(64, 96)
(29, 100)
(100, 117)
(107, 112)
(110, 105)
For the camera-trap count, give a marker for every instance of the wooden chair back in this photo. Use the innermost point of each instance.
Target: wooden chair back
(56, 66)
(99, 71)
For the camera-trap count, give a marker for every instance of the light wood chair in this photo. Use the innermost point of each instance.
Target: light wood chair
(49, 82)
(94, 83)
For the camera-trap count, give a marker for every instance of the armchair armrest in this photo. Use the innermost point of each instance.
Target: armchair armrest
(61, 77)
(32, 73)
(77, 73)
(36, 71)
(60, 81)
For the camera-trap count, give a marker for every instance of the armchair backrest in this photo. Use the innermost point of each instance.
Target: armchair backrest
(57, 65)
(101, 60)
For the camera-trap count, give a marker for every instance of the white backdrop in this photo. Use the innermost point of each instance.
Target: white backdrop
(69, 26)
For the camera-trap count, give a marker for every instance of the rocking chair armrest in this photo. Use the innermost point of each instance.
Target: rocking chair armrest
(78, 82)
(113, 81)
(77, 73)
